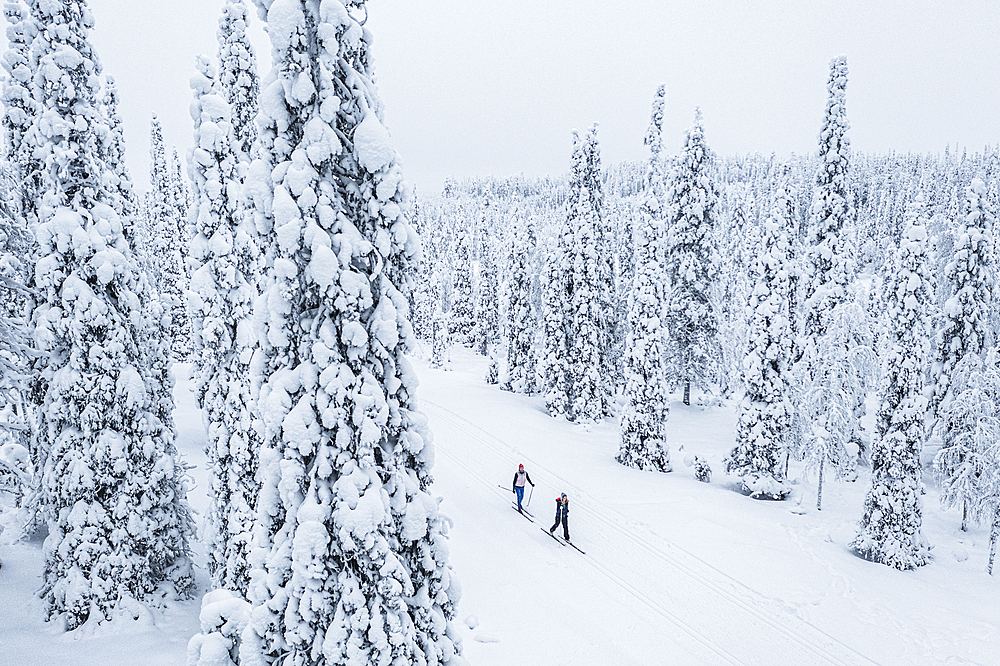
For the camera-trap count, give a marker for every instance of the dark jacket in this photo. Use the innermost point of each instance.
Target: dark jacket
(562, 510)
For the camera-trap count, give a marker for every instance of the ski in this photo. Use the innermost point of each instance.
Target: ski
(564, 542)
(523, 512)
(558, 540)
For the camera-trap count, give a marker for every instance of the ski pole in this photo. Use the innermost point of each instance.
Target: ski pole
(528, 503)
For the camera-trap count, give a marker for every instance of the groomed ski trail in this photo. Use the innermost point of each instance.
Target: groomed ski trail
(732, 623)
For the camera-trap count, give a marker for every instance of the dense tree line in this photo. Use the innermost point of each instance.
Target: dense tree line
(771, 281)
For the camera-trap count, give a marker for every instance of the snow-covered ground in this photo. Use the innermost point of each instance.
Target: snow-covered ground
(676, 571)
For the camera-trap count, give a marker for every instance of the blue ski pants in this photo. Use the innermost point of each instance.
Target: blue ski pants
(519, 490)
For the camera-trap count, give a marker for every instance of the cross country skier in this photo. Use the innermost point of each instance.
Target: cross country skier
(562, 515)
(520, 478)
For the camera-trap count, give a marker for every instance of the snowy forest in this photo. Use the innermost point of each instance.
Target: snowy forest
(835, 309)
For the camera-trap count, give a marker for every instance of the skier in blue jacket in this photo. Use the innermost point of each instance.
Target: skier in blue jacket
(520, 478)
(562, 515)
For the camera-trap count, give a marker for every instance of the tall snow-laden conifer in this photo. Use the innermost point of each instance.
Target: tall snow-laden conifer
(970, 280)
(829, 265)
(487, 330)
(20, 109)
(154, 345)
(588, 337)
(181, 197)
(738, 240)
(112, 489)
(965, 465)
(690, 257)
(644, 418)
(829, 269)
(462, 314)
(114, 157)
(238, 74)
(167, 247)
(19, 195)
(520, 322)
(556, 285)
(764, 421)
(223, 258)
(350, 561)
(843, 373)
(891, 524)
(609, 348)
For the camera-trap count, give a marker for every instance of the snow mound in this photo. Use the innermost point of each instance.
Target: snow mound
(372, 144)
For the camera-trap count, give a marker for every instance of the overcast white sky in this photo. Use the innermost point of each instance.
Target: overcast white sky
(475, 88)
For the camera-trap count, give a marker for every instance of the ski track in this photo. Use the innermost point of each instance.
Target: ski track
(637, 594)
(721, 613)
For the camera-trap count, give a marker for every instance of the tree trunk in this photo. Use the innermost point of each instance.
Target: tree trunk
(993, 539)
(965, 515)
(819, 487)
(687, 392)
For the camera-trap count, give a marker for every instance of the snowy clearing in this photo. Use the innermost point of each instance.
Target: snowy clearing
(676, 571)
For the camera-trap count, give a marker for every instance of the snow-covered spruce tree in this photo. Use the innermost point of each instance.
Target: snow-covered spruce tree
(520, 321)
(223, 258)
(154, 347)
(690, 257)
(462, 314)
(970, 278)
(891, 524)
(154, 344)
(842, 374)
(610, 349)
(828, 265)
(440, 340)
(167, 247)
(17, 469)
(737, 239)
(113, 154)
(969, 469)
(154, 341)
(179, 188)
(350, 561)
(764, 422)
(588, 337)
(20, 109)
(112, 489)
(238, 74)
(968, 426)
(556, 294)
(19, 195)
(487, 331)
(828, 256)
(224, 617)
(423, 298)
(644, 418)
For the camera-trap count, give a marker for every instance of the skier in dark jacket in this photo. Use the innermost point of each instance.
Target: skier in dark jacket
(520, 478)
(562, 515)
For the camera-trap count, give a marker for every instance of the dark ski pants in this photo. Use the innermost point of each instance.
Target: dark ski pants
(519, 490)
(565, 523)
